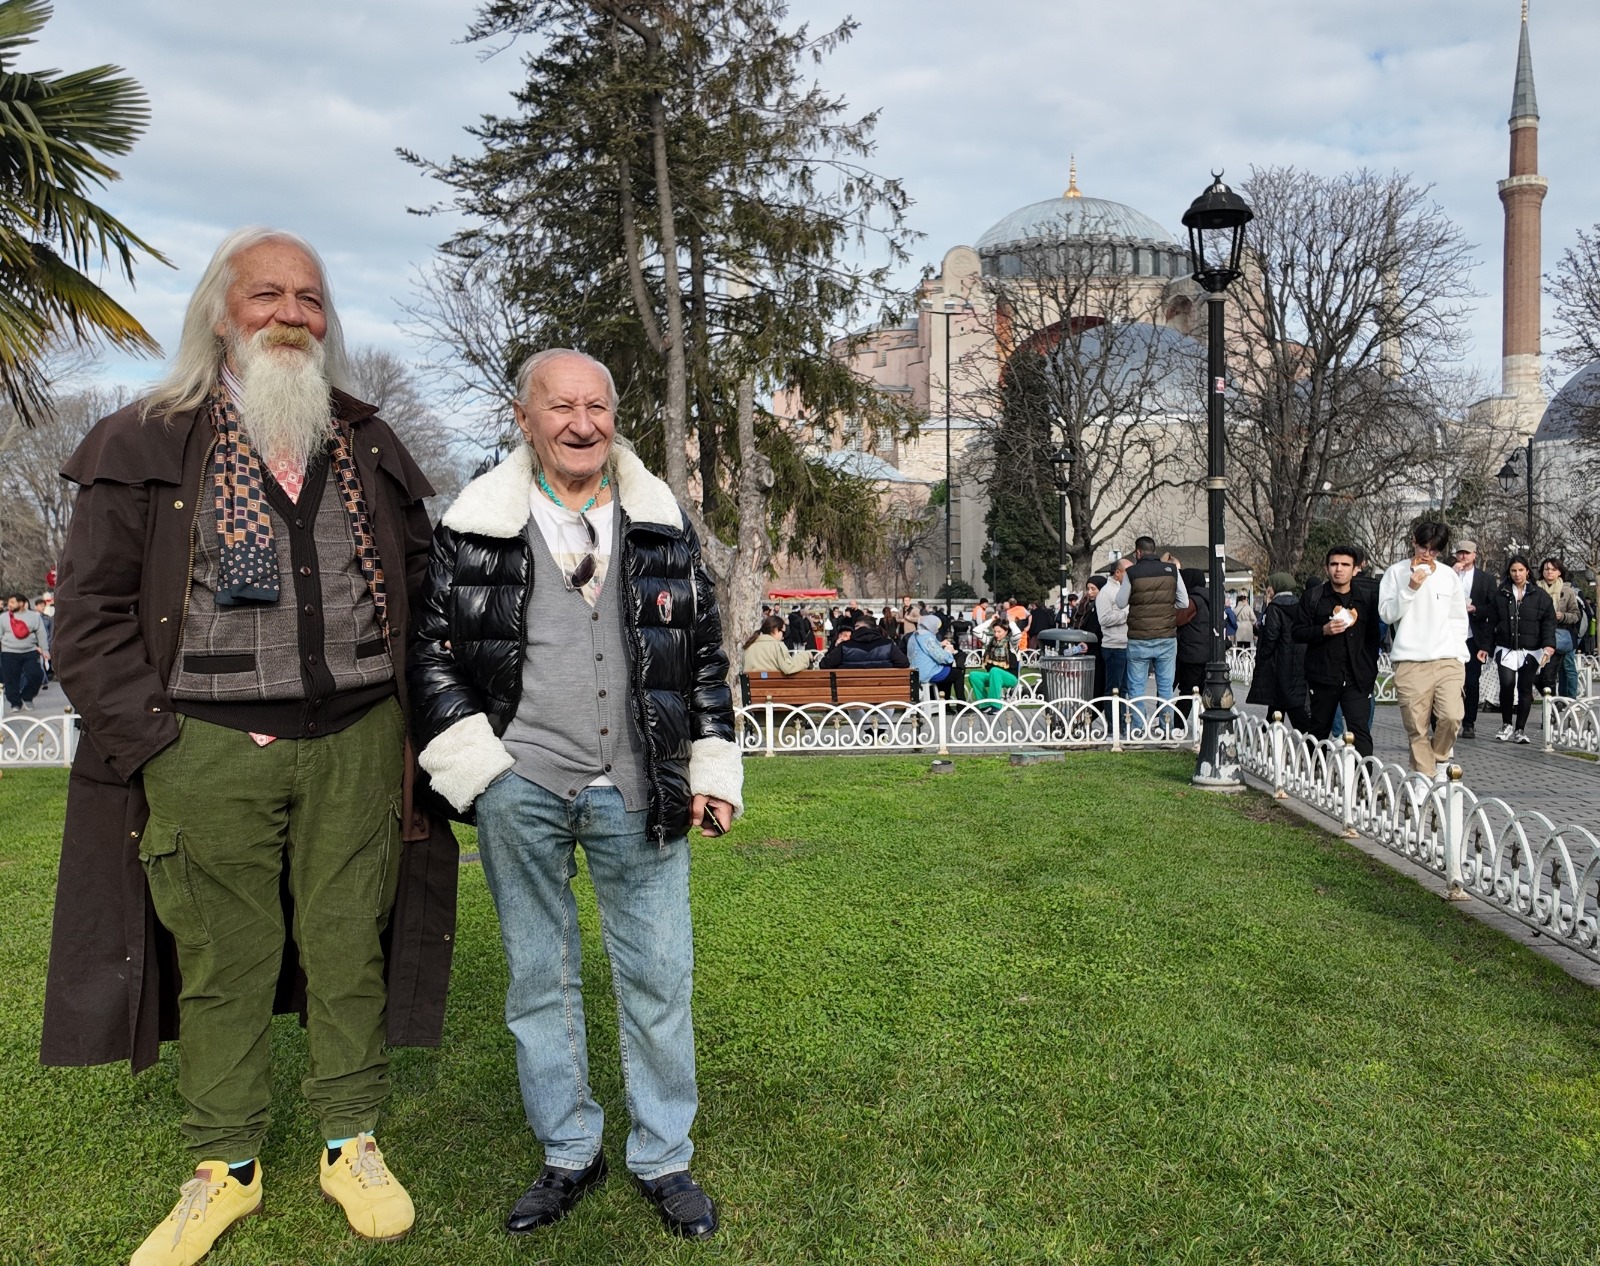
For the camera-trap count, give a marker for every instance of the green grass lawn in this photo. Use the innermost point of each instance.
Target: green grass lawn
(1065, 1013)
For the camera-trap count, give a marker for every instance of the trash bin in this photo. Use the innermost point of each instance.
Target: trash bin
(1066, 678)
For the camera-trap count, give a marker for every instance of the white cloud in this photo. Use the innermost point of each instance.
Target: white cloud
(290, 113)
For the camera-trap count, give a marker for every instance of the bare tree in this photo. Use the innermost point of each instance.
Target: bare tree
(1346, 331)
(35, 501)
(1089, 369)
(1575, 287)
(383, 379)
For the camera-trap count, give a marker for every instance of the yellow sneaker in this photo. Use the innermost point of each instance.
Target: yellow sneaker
(211, 1202)
(373, 1200)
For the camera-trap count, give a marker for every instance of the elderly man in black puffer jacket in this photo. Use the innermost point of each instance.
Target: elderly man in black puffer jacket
(569, 688)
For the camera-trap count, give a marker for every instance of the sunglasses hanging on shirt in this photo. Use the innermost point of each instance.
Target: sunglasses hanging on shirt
(583, 573)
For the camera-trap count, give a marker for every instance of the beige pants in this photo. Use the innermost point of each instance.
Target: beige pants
(1430, 689)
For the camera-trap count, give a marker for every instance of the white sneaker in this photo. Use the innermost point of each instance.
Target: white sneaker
(1504, 733)
(1441, 771)
(1521, 736)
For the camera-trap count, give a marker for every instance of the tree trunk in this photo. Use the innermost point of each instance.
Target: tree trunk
(739, 593)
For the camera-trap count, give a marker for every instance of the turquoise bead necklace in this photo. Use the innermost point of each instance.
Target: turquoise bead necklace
(544, 486)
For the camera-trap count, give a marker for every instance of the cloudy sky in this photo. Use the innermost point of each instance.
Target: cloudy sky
(290, 114)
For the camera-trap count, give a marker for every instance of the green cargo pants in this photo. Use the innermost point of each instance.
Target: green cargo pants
(227, 818)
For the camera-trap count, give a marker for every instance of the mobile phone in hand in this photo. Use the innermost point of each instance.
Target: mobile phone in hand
(708, 822)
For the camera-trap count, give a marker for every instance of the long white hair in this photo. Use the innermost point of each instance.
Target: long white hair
(197, 367)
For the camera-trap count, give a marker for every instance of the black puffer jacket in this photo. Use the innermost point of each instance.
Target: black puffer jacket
(467, 648)
(1525, 625)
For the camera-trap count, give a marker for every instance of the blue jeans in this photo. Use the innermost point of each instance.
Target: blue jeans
(1160, 653)
(527, 837)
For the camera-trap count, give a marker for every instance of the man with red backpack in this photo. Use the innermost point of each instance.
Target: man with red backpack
(24, 652)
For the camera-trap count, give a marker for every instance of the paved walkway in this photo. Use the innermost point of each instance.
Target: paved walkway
(1566, 789)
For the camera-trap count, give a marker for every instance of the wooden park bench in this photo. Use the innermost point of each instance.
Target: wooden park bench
(830, 685)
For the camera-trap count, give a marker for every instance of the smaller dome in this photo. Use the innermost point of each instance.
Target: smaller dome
(1577, 402)
(1058, 219)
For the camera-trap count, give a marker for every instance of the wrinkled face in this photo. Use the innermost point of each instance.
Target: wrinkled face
(275, 287)
(1518, 573)
(1465, 558)
(567, 417)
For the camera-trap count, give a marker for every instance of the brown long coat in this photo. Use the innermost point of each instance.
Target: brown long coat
(112, 988)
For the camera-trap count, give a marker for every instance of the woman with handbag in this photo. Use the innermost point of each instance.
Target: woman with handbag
(1564, 668)
(1524, 641)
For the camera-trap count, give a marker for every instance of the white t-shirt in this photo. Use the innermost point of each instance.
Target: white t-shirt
(568, 540)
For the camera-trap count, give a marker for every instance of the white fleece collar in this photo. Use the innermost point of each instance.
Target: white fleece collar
(496, 502)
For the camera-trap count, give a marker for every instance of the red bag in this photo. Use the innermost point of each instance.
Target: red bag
(19, 630)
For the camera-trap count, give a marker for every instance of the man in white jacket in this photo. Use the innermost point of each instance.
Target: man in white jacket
(1421, 600)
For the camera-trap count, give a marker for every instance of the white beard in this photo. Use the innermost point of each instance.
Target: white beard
(285, 409)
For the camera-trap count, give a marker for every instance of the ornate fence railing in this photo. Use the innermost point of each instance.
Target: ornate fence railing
(26, 739)
(1544, 874)
(939, 725)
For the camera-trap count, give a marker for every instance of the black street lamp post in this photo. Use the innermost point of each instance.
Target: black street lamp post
(1216, 221)
(1061, 465)
(1509, 474)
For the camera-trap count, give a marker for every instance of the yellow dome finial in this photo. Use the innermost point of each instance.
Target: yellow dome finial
(1072, 180)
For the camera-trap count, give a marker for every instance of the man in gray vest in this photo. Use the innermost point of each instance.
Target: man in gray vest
(572, 690)
(1153, 593)
(233, 603)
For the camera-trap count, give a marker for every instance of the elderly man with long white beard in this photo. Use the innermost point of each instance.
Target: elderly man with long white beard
(231, 618)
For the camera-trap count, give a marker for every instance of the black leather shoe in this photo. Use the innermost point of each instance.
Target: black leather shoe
(1469, 730)
(553, 1194)
(683, 1206)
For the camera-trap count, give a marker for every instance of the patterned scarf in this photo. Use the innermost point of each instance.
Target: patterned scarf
(249, 568)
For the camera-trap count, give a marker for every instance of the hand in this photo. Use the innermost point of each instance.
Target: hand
(721, 810)
(1483, 657)
(1419, 573)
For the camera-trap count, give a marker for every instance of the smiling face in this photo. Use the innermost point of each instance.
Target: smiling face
(275, 286)
(568, 418)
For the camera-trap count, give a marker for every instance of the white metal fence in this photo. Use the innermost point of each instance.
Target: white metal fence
(27, 739)
(939, 725)
(1544, 874)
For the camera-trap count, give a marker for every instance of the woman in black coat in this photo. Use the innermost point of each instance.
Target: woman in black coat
(1279, 680)
(1524, 641)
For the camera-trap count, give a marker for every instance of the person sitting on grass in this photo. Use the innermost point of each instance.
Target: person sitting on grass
(997, 671)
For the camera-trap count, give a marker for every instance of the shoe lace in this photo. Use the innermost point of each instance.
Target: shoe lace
(193, 1199)
(367, 1166)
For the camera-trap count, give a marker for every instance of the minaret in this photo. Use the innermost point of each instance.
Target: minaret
(1522, 192)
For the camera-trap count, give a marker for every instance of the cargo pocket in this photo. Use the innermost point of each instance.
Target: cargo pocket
(166, 869)
(384, 863)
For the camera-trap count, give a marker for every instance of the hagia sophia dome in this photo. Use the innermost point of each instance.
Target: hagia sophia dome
(1128, 241)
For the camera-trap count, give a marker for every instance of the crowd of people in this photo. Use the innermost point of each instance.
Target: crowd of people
(912, 635)
(1316, 641)
(1442, 619)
